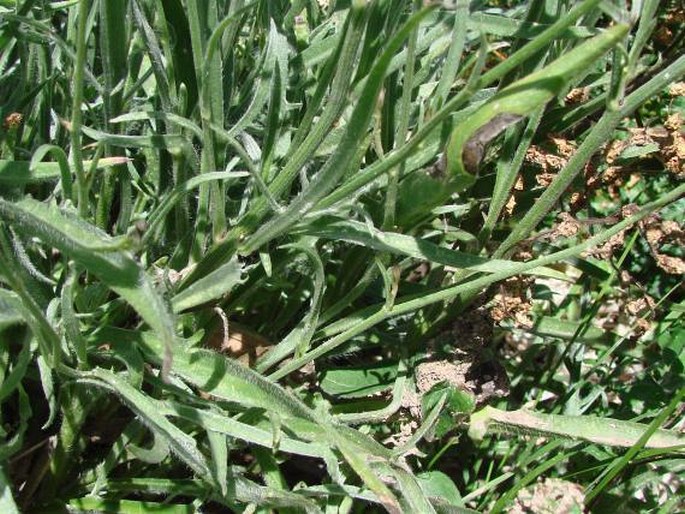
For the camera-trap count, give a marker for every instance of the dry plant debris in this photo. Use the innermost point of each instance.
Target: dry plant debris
(13, 120)
(549, 162)
(677, 89)
(550, 496)
(577, 95)
(568, 226)
(626, 315)
(239, 343)
(606, 250)
(668, 142)
(659, 232)
(511, 203)
(512, 302)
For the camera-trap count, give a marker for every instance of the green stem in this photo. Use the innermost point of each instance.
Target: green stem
(419, 301)
(402, 129)
(599, 134)
(651, 433)
(76, 116)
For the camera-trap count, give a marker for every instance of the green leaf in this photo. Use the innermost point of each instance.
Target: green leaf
(17, 173)
(11, 446)
(12, 380)
(637, 151)
(547, 326)
(503, 26)
(522, 98)
(212, 287)
(356, 382)
(93, 504)
(338, 229)
(604, 431)
(227, 424)
(217, 375)
(457, 401)
(154, 455)
(358, 462)
(9, 309)
(76, 238)
(412, 494)
(159, 115)
(276, 50)
(182, 444)
(7, 503)
(436, 484)
(347, 153)
(165, 141)
(433, 192)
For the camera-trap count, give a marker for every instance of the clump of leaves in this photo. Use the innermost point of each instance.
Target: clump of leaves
(250, 254)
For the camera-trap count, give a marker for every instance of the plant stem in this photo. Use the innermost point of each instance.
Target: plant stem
(415, 302)
(76, 115)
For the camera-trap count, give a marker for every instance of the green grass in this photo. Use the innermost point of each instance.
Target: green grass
(269, 256)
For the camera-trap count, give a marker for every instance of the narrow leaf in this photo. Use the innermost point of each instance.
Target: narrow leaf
(212, 287)
(76, 238)
(182, 444)
(606, 431)
(359, 233)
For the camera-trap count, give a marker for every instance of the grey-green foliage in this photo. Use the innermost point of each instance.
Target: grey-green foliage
(268, 174)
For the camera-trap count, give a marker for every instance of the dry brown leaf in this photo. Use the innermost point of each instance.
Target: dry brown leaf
(545, 160)
(670, 264)
(519, 186)
(673, 154)
(567, 227)
(658, 232)
(639, 306)
(510, 206)
(606, 250)
(612, 175)
(238, 342)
